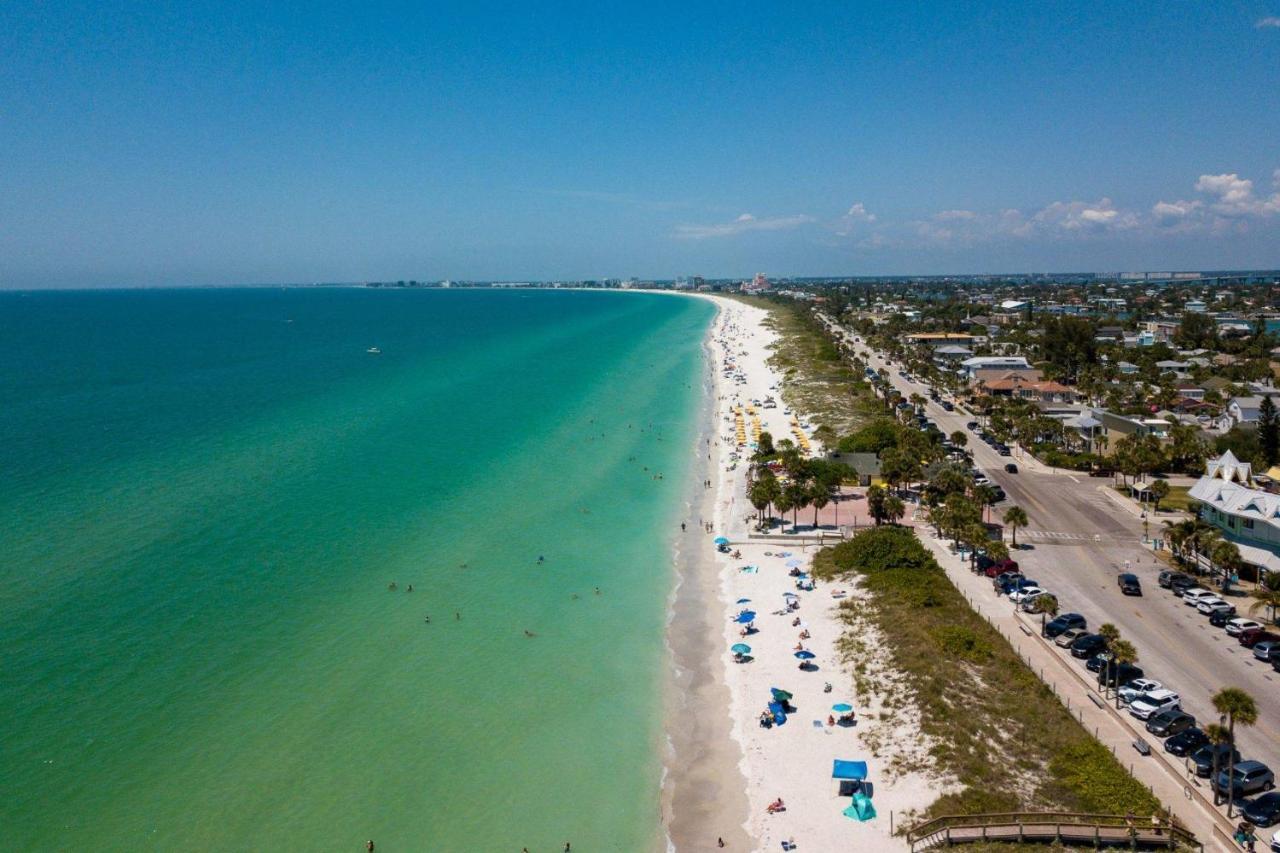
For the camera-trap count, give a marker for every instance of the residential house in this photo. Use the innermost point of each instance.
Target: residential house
(866, 465)
(1127, 368)
(1231, 501)
(1043, 391)
(1100, 429)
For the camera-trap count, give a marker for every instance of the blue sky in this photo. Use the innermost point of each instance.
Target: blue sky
(155, 143)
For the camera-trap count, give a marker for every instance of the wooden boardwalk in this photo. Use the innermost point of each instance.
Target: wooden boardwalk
(1082, 830)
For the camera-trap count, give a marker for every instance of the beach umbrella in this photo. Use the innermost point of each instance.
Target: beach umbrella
(842, 708)
(744, 601)
(746, 616)
(805, 654)
(794, 563)
(780, 694)
(789, 595)
(720, 540)
(740, 649)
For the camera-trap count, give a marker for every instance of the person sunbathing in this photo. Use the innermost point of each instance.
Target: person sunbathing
(776, 806)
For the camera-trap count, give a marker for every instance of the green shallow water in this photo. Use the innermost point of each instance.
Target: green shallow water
(204, 497)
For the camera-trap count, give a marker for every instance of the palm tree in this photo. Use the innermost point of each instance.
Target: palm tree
(1015, 517)
(894, 508)
(1239, 707)
(959, 439)
(798, 497)
(1122, 652)
(819, 497)
(758, 494)
(1267, 596)
(1047, 604)
(1217, 735)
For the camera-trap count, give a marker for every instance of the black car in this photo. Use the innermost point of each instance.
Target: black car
(1011, 468)
(1129, 584)
(984, 562)
(1064, 622)
(971, 425)
(999, 581)
(1202, 758)
(1264, 810)
(1181, 584)
(1111, 673)
(1004, 451)
(1171, 722)
(1186, 742)
(947, 406)
(1088, 646)
(1167, 577)
(998, 495)
(1220, 618)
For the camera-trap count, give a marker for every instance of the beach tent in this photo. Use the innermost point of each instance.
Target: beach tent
(779, 715)
(855, 770)
(720, 540)
(861, 808)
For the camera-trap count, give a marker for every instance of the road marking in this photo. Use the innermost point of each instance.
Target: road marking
(1072, 479)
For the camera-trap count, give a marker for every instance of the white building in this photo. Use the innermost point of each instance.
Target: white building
(986, 362)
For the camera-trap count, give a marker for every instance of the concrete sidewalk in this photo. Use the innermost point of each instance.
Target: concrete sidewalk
(1176, 787)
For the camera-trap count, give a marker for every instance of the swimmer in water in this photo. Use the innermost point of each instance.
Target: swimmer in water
(410, 589)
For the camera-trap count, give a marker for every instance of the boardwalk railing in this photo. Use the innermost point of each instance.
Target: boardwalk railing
(1066, 827)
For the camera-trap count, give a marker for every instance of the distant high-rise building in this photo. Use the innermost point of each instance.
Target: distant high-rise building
(757, 284)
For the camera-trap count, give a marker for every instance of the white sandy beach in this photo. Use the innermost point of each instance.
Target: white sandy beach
(792, 761)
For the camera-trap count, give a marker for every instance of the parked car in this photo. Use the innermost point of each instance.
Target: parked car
(1171, 722)
(1264, 810)
(984, 562)
(1249, 639)
(1004, 578)
(1088, 646)
(1236, 626)
(1202, 758)
(1102, 472)
(1069, 636)
(1110, 673)
(1192, 596)
(971, 425)
(1211, 604)
(1275, 843)
(1007, 565)
(1267, 650)
(1131, 690)
(1129, 584)
(1180, 585)
(1166, 577)
(1064, 622)
(1220, 618)
(1004, 450)
(1186, 742)
(1097, 663)
(947, 406)
(1246, 778)
(1153, 702)
(1010, 468)
(998, 495)
(1021, 594)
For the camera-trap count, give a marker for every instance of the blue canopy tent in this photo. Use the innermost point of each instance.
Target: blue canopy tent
(720, 540)
(855, 770)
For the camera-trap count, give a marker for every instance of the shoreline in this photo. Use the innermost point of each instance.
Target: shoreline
(703, 789)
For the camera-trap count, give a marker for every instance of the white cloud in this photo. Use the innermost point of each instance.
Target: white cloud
(1271, 22)
(858, 213)
(744, 223)
(1080, 217)
(1232, 196)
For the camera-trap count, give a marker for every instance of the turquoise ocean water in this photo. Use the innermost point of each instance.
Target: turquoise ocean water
(204, 496)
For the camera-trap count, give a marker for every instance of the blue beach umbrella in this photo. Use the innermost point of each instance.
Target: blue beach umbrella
(740, 649)
(842, 708)
(746, 616)
(805, 654)
(720, 540)
(744, 601)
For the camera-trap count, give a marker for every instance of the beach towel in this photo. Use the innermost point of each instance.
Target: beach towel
(861, 809)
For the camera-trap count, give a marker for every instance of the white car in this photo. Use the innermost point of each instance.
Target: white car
(1020, 595)
(1238, 626)
(1145, 704)
(1193, 596)
(1209, 604)
(1133, 689)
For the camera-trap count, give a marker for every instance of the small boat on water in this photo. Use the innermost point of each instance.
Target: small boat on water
(374, 351)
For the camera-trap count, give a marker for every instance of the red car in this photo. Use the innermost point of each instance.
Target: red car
(1253, 636)
(1000, 567)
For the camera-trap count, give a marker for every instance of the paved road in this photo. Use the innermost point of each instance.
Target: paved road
(1090, 536)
